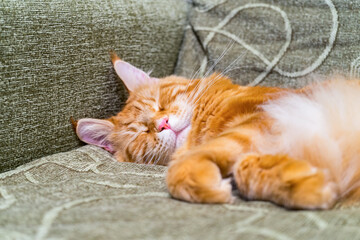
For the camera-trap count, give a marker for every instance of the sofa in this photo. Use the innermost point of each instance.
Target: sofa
(55, 64)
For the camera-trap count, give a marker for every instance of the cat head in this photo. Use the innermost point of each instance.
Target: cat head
(154, 122)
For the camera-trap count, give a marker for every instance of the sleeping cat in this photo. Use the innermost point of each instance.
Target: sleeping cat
(296, 148)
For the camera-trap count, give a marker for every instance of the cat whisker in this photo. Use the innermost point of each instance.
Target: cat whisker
(162, 154)
(157, 160)
(208, 85)
(216, 62)
(196, 89)
(229, 70)
(150, 157)
(193, 78)
(205, 85)
(241, 56)
(228, 47)
(195, 92)
(204, 90)
(154, 153)
(146, 156)
(212, 82)
(226, 50)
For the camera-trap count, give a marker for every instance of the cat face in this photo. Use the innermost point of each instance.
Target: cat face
(153, 124)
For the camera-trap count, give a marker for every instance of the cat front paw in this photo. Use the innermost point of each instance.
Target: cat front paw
(198, 180)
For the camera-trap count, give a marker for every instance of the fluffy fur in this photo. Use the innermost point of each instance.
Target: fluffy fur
(297, 148)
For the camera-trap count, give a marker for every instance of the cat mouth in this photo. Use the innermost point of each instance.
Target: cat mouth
(177, 135)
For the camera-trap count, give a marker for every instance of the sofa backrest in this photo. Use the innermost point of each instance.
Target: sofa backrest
(274, 43)
(54, 63)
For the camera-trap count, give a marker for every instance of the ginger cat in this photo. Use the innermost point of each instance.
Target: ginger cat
(296, 148)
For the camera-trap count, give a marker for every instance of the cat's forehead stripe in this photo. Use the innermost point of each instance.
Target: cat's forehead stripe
(151, 103)
(171, 93)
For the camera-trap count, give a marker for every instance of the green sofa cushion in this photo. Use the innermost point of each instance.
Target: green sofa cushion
(54, 63)
(86, 194)
(279, 42)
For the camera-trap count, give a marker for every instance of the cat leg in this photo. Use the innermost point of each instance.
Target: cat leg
(197, 179)
(197, 175)
(285, 181)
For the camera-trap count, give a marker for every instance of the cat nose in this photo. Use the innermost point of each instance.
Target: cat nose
(164, 124)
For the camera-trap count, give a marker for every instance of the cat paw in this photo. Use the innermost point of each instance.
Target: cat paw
(316, 191)
(198, 180)
(285, 181)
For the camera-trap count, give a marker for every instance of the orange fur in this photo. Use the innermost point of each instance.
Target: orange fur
(226, 138)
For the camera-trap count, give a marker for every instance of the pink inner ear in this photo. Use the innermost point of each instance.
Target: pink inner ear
(100, 142)
(95, 132)
(132, 76)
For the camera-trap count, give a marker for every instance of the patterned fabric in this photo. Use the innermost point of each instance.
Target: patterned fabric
(275, 43)
(86, 194)
(54, 63)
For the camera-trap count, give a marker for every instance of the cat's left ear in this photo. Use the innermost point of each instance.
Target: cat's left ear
(95, 132)
(131, 76)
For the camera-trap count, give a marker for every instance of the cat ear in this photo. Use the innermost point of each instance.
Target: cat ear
(95, 132)
(131, 76)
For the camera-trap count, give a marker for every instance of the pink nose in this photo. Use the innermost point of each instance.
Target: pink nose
(164, 124)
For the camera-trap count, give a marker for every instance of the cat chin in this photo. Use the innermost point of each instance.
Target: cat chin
(168, 137)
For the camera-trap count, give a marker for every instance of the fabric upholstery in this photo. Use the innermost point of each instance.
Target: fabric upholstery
(86, 194)
(54, 63)
(274, 43)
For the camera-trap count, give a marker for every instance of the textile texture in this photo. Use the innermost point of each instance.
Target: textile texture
(86, 194)
(275, 42)
(54, 63)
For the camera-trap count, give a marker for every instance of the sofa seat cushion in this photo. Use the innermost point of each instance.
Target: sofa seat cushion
(86, 194)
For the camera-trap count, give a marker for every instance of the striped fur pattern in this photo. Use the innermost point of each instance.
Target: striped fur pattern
(297, 148)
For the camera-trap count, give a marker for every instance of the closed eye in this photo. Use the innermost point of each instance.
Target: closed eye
(134, 127)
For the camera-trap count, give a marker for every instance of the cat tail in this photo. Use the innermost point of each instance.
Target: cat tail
(321, 126)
